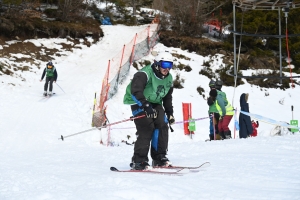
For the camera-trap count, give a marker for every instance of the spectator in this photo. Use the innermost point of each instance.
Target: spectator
(244, 120)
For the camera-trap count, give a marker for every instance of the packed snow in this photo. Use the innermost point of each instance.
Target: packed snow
(37, 164)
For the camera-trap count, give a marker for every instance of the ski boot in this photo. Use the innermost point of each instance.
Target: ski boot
(162, 162)
(140, 166)
(45, 93)
(50, 93)
(227, 134)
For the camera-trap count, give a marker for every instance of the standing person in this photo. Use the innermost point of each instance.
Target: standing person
(150, 94)
(225, 110)
(51, 76)
(244, 120)
(213, 114)
(254, 126)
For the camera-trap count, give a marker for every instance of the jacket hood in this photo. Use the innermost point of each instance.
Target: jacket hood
(244, 99)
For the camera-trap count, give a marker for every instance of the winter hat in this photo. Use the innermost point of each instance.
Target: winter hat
(213, 93)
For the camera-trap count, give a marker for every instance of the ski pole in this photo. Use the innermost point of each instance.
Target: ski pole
(130, 119)
(60, 88)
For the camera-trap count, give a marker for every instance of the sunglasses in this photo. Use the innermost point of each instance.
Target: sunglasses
(165, 64)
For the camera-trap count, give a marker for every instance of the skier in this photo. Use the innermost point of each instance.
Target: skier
(225, 110)
(244, 120)
(254, 126)
(214, 114)
(150, 94)
(51, 76)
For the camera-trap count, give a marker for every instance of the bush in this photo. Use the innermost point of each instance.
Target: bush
(177, 82)
(229, 80)
(207, 72)
(201, 91)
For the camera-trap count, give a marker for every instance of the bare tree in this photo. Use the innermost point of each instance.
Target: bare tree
(186, 17)
(137, 4)
(69, 8)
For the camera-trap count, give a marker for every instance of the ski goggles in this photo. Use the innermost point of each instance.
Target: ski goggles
(165, 64)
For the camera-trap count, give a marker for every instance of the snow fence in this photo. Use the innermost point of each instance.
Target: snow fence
(119, 65)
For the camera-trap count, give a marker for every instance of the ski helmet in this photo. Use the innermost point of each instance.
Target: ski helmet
(219, 84)
(164, 56)
(212, 84)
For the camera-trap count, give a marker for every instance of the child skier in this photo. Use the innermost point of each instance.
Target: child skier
(254, 126)
(51, 75)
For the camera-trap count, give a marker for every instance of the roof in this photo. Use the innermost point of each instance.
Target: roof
(266, 4)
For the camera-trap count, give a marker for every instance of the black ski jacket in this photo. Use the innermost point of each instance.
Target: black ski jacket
(244, 120)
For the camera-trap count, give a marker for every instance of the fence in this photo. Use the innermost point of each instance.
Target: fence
(119, 66)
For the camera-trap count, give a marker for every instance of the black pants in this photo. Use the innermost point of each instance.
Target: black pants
(150, 130)
(49, 79)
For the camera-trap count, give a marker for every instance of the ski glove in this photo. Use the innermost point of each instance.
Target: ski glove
(150, 112)
(171, 119)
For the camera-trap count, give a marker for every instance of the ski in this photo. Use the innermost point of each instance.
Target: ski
(178, 172)
(203, 165)
(45, 98)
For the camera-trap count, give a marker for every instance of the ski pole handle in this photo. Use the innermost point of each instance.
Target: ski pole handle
(292, 108)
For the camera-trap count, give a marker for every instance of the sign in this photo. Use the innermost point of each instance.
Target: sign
(295, 123)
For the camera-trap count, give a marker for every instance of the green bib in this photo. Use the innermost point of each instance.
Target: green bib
(50, 72)
(156, 89)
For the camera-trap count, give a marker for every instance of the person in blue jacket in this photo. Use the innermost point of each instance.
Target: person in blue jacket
(244, 120)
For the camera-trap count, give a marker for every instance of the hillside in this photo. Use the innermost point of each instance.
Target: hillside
(36, 164)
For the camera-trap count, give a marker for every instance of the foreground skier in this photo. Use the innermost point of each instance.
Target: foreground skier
(150, 94)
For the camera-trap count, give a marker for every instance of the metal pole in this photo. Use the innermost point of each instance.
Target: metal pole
(234, 41)
(280, 53)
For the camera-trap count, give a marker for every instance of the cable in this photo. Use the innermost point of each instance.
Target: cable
(286, 10)
(237, 65)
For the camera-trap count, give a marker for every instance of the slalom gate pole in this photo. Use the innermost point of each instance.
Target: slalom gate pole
(60, 87)
(125, 120)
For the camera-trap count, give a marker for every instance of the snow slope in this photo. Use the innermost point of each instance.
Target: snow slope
(36, 164)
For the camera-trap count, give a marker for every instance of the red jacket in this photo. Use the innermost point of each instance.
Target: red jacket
(254, 126)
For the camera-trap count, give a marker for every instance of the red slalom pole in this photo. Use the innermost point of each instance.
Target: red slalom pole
(125, 120)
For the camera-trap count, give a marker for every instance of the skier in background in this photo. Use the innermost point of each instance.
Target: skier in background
(150, 93)
(213, 114)
(225, 110)
(51, 76)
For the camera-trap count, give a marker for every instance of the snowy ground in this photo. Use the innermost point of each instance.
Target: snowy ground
(35, 164)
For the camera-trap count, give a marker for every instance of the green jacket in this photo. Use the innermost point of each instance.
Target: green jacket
(222, 104)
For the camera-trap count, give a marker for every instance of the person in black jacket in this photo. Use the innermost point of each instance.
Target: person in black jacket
(51, 76)
(244, 120)
(150, 94)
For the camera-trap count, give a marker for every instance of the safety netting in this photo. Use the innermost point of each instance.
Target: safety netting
(119, 66)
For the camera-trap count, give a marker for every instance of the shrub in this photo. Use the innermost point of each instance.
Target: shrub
(177, 82)
(201, 91)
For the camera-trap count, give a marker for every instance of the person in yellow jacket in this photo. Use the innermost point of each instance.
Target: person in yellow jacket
(225, 110)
